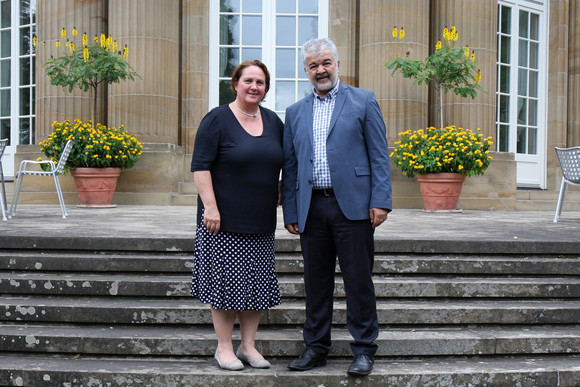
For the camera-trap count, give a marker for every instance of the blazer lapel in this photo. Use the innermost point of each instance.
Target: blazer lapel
(338, 105)
(307, 116)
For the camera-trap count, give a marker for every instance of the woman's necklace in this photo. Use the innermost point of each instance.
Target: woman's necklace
(248, 114)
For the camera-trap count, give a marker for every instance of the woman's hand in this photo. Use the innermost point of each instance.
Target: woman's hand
(212, 219)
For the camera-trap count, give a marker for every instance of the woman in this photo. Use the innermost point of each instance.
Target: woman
(236, 166)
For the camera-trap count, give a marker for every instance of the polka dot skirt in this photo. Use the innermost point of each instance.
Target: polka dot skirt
(235, 271)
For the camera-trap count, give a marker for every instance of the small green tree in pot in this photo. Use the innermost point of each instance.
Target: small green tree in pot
(89, 65)
(447, 68)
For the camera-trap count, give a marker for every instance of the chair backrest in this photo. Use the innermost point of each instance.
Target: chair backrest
(64, 156)
(569, 159)
(3, 144)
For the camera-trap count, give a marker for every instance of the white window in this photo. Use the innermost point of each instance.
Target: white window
(269, 30)
(17, 82)
(521, 87)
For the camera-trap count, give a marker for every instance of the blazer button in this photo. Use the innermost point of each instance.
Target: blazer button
(309, 181)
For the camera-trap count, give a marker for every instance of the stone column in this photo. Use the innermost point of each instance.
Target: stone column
(53, 103)
(343, 31)
(403, 104)
(148, 107)
(476, 23)
(573, 134)
(194, 68)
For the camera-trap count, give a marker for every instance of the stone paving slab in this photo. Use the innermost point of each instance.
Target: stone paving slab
(523, 372)
(189, 341)
(175, 312)
(164, 228)
(179, 286)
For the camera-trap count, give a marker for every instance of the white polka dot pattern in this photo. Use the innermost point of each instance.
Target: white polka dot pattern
(235, 271)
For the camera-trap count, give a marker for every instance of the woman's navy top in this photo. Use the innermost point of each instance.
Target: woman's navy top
(245, 169)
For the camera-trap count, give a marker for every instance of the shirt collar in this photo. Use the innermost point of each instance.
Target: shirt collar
(331, 94)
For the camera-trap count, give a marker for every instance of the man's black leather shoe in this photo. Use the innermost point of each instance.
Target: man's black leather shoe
(308, 360)
(362, 365)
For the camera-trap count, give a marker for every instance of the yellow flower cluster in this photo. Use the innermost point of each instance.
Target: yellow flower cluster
(448, 149)
(98, 146)
(106, 42)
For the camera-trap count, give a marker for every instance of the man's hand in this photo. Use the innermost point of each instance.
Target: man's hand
(378, 216)
(292, 228)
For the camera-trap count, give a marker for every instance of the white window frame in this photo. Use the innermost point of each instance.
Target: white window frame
(15, 87)
(268, 47)
(529, 165)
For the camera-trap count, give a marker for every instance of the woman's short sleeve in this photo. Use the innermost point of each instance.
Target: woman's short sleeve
(207, 141)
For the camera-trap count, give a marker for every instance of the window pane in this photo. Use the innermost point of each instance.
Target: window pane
(532, 141)
(32, 130)
(307, 29)
(25, 45)
(534, 52)
(251, 53)
(304, 89)
(229, 29)
(229, 59)
(5, 44)
(308, 6)
(32, 72)
(24, 131)
(300, 65)
(5, 103)
(523, 53)
(5, 129)
(25, 12)
(522, 111)
(284, 94)
(532, 112)
(533, 86)
(524, 24)
(534, 27)
(25, 71)
(504, 138)
(521, 145)
(252, 30)
(504, 108)
(505, 48)
(5, 69)
(226, 93)
(522, 82)
(252, 6)
(6, 10)
(24, 101)
(285, 59)
(286, 6)
(230, 6)
(285, 31)
(506, 19)
(504, 79)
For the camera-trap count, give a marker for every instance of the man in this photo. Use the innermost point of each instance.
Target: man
(336, 190)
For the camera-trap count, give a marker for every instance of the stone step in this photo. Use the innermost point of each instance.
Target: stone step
(189, 341)
(552, 371)
(391, 264)
(290, 286)
(106, 310)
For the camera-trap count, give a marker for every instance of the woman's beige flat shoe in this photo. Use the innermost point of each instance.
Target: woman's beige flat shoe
(252, 361)
(235, 365)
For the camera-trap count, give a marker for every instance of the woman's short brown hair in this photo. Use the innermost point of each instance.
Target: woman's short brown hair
(237, 74)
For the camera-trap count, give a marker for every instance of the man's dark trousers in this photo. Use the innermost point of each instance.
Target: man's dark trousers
(328, 234)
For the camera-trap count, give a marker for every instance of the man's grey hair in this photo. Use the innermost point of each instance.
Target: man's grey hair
(318, 46)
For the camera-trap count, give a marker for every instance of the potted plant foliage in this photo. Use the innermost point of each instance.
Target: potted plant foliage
(442, 155)
(99, 152)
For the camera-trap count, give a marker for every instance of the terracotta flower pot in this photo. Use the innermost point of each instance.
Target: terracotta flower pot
(441, 190)
(96, 186)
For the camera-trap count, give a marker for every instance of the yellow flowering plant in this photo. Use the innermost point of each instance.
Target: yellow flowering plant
(85, 65)
(97, 147)
(441, 150)
(447, 68)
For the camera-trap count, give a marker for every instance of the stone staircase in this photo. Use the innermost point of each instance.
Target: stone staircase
(125, 318)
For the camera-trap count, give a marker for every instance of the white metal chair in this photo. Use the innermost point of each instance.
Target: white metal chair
(3, 202)
(569, 159)
(55, 170)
